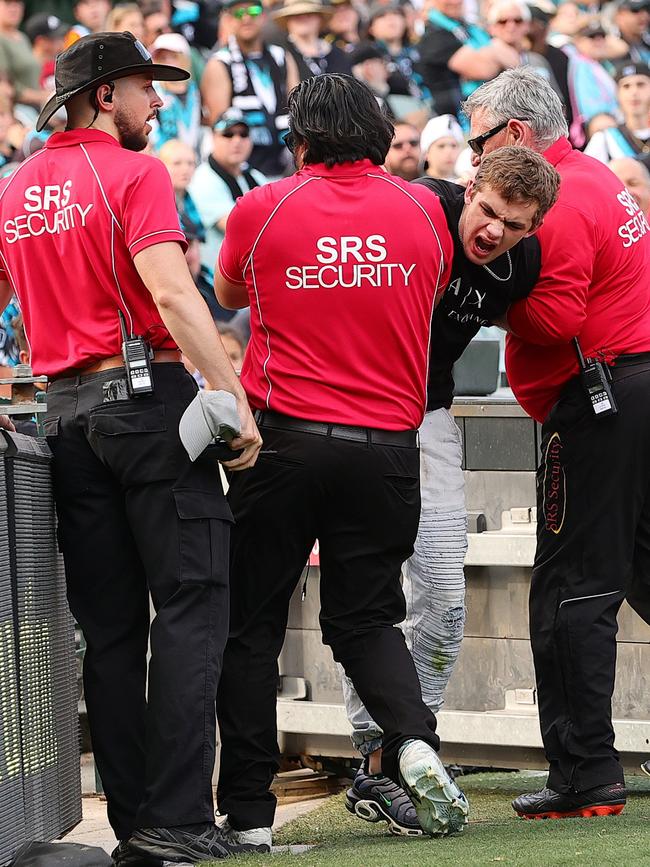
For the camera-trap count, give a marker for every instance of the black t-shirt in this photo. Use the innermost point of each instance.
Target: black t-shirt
(436, 48)
(476, 294)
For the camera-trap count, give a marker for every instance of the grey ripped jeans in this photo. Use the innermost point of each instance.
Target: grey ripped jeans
(434, 581)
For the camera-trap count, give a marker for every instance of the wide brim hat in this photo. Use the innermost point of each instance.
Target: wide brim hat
(300, 7)
(98, 58)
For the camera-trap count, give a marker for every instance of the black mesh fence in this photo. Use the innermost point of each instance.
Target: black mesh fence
(40, 787)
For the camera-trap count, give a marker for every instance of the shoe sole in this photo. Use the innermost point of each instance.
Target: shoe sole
(435, 797)
(179, 854)
(583, 812)
(645, 767)
(372, 811)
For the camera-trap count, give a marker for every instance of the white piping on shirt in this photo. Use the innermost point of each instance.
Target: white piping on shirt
(151, 234)
(440, 268)
(249, 261)
(595, 596)
(114, 222)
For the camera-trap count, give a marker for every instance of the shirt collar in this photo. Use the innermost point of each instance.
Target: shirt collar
(345, 170)
(558, 151)
(79, 136)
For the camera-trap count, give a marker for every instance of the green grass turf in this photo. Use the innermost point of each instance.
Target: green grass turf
(494, 836)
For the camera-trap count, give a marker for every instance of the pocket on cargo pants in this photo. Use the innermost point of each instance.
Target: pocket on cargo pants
(204, 521)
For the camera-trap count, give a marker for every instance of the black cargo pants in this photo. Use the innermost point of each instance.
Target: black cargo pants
(137, 518)
(593, 551)
(362, 501)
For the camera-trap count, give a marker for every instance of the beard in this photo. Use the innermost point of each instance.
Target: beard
(131, 133)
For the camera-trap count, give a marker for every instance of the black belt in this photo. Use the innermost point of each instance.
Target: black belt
(634, 358)
(404, 438)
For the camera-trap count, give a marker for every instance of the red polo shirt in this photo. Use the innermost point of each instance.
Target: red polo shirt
(73, 216)
(594, 283)
(342, 266)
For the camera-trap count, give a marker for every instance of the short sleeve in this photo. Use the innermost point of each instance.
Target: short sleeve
(237, 244)
(149, 213)
(437, 47)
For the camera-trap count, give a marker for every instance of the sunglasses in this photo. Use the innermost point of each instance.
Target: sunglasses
(398, 145)
(511, 20)
(477, 144)
(242, 11)
(231, 133)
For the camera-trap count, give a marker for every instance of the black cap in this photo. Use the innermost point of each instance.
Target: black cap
(231, 117)
(43, 24)
(366, 51)
(627, 69)
(98, 58)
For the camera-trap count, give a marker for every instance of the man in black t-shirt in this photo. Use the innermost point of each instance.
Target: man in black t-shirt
(496, 261)
(456, 56)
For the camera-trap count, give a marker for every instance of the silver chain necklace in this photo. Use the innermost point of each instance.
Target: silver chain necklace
(496, 276)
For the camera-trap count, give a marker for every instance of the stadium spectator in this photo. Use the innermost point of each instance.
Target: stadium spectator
(303, 21)
(233, 343)
(456, 56)
(403, 157)
(594, 42)
(47, 34)
(180, 160)
(221, 180)
(8, 140)
(636, 177)
(16, 57)
(156, 20)
(256, 77)
(509, 20)
(343, 27)
(632, 18)
(126, 16)
(632, 137)
(180, 114)
(541, 13)
(371, 65)
(90, 17)
(388, 28)
(440, 143)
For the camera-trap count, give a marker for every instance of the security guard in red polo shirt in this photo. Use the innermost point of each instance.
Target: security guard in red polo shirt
(593, 486)
(92, 246)
(342, 265)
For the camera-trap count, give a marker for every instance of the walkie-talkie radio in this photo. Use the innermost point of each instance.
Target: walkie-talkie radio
(596, 379)
(137, 362)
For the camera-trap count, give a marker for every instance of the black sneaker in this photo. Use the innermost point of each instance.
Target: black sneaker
(600, 801)
(645, 767)
(376, 798)
(181, 844)
(124, 856)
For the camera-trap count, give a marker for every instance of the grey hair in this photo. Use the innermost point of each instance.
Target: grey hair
(521, 93)
(496, 9)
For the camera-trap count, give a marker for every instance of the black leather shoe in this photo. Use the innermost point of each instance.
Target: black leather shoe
(606, 800)
(645, 767)
(124, 856)
(180, 844)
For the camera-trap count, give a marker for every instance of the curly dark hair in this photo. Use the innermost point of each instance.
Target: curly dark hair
(338, 120)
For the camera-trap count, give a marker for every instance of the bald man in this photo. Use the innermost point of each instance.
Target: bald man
(636, 178)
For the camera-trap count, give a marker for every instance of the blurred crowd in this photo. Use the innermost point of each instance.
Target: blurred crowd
(225, 130)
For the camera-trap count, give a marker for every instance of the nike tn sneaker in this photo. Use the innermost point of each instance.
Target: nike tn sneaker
(440, 805)
(375, 798)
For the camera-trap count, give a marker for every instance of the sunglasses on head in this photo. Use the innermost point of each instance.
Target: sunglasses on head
(477, 144)
(412, 142)
(240, 133)
(241, 11)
